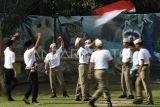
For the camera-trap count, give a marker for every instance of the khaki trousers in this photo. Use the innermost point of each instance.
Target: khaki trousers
(101, 78)
(81, 89)
(125, 80)
(144, 79)
(54, 77)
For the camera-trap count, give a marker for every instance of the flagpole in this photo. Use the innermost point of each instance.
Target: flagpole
(55, 16)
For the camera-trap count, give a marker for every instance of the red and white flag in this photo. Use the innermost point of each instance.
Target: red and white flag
(109, 12)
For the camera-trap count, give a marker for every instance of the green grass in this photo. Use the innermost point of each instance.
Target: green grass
(46, 101)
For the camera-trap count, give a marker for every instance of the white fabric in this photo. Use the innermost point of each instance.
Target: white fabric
(77, 41)
(29, 57)
(53, 59)
(83, 55)
(52, 45)
(135, 58)
(98, 42)
(126, 40)
(145, 55)
(137, 41)
(87, 47)
(108, 17)
(9, 58)
(126, 55)
(100, 59)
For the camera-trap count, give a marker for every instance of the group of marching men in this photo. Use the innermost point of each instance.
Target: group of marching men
(134, 76)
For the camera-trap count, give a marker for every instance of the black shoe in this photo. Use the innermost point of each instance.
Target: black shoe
(109, 103)
(138, 101)
(54, 95)
(92, 103)
(26, 101)
(77, 99)
(86, 99)
(122, 96)
(149, 103)
(130, 97)
(65, 94)
(11, 99)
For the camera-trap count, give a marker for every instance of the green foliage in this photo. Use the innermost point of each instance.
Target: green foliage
(15, 12)
(71, 7)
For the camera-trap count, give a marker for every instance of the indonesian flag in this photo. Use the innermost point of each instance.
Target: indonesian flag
(109, 12)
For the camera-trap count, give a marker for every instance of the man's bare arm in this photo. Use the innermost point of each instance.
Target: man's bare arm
(38, 40)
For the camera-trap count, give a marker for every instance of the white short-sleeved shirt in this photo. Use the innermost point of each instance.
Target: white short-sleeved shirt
(29, 57)
(135, 58)
(144, 54)
(100, 59)
(126, 54)
(83, 55)
(9, 58)
(53, 59)
(87, 47)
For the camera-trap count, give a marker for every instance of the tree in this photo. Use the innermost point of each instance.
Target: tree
(71, 7)
(14, 13)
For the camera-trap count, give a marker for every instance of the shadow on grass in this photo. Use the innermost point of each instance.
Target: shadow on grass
(60, 103)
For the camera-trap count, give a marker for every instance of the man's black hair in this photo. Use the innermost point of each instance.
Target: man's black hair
(28, 43)
(9, 42)
(141, 43)
(131, 44)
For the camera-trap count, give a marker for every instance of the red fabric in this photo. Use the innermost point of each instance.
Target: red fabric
(119, 5)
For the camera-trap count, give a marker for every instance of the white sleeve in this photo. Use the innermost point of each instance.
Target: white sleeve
(13, 58)
(46, 60)
(32, 50)
(109, 56)
(141, 55)
(92, 58)
(60, 50)
(130, 54)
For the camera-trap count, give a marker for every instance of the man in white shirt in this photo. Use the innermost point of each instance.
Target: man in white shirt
(52, 65)
(135, 66)
(125, 76)
(143, 74)
(83, 54)
(9, 66)
(100, 61)
(30, 62)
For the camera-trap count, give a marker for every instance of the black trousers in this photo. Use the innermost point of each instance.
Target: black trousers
(133, 82)
(10, 81)
(33, 85)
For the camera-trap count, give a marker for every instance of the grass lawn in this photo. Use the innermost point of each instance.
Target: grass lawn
(46, 101)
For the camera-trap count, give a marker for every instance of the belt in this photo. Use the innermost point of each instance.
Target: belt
(144, 65)
(83, 64)
(54, 67)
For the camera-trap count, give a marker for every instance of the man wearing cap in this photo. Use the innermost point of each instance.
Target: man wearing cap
(30, 62)
(100, 60)
(9, 66)
(83, 54)
(52, 66)
(125, 76)
(143, 74)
